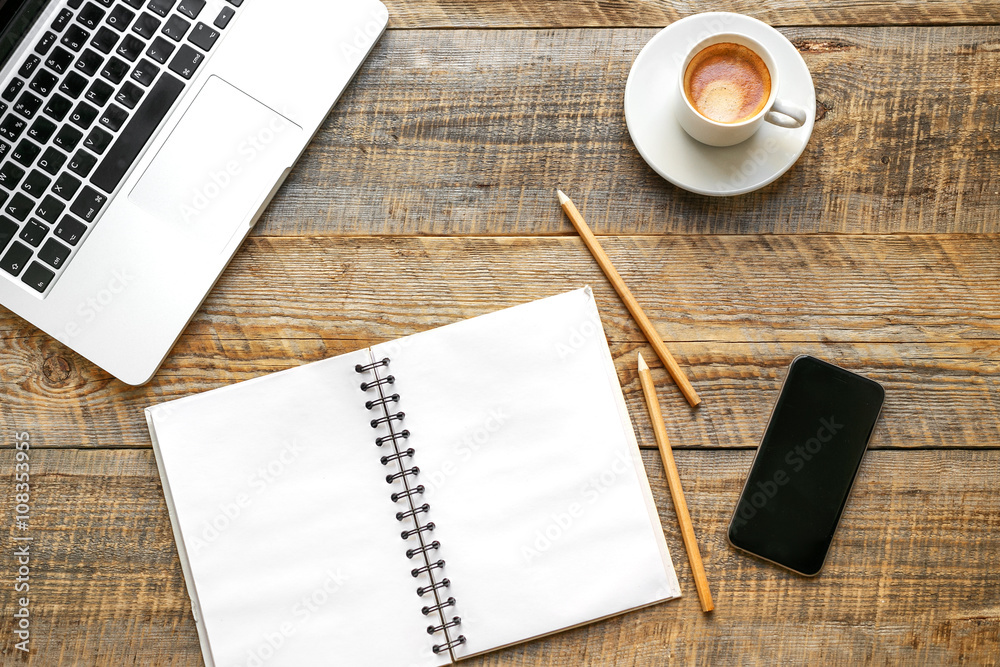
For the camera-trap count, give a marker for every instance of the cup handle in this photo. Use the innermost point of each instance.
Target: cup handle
(791, 115)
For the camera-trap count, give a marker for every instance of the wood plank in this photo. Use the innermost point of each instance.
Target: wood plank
(653, 13)
(910, 577)
(918, 313)
(470, 132)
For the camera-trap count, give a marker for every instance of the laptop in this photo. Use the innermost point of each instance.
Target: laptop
(140, 140)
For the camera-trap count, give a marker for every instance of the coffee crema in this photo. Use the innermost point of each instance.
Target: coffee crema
(727, 82)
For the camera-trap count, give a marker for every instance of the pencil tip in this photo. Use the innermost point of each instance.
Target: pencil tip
(642, 363)
(562, 197)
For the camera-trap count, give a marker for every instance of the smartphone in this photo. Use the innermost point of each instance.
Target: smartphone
(806, 464)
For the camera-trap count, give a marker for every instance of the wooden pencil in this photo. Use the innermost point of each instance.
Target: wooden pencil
(626, 294)
(676, 492)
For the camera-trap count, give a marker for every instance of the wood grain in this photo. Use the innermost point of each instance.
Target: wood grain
(910, 578)
(917, 313)
(469, 132)
(653, 13)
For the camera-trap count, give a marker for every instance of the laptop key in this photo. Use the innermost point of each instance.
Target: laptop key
(62, 20)
(42, 130)
(59, 60)
(44, 82)
(203, 36)
(235, 3)
(66, 186)
(88, 204)
(114, 117)
(58, 107)
(4, 149)
(145, 72)
(176, 28)
(52, 160)
(13, 262)
(120, 18)
(140, 128)
(161, 7)
(50, 209)
(37, 277)
(68, 138)
(75, 4)
(98, 140)
(83, 115)
(12, 89)
(82, 163)
(129, 95)
(115, 70)
(10, 175)
(28, 105)
(70, 230)
(45, 43)
(73, 85)
(89, 62)
(53, 253)
(224, 17)
(130, 48)
(135, 4)
(99, 93)
(146, 25)
(19, 207)
(186, 61)
(8, 230)
(34, 232)
(104, 40)
(90, 16)
(191, 8)
(74, 37)
(25, 153)
(160, 50)
(12, 127)
(36, 183)
(30, 65)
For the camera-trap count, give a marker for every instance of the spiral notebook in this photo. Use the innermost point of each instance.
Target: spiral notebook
(417, 502)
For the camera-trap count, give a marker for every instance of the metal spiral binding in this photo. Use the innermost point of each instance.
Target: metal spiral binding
(413, 509)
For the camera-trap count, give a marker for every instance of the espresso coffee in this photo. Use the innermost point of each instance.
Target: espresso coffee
(727, 83)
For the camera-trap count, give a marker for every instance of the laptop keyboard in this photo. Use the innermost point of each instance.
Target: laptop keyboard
(79, 110)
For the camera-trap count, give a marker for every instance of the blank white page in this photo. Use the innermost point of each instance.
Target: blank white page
(284, 525)
(532, 471)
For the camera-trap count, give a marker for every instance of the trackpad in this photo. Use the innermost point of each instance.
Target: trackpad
(218, 165)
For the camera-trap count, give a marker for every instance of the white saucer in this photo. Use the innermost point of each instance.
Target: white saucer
(651, 93)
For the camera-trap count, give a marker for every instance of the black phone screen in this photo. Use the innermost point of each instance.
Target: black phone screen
(806, 464)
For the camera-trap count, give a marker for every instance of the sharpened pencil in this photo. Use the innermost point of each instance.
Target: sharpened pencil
(626, 294)
(676, 492)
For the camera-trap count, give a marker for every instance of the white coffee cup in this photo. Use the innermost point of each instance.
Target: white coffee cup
(715, 133)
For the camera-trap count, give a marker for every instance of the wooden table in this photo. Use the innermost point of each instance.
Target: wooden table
(429, 197)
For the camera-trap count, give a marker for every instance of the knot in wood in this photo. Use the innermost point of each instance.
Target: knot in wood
(56, 369)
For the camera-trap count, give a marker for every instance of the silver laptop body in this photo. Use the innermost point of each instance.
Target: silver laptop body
(116, 268)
